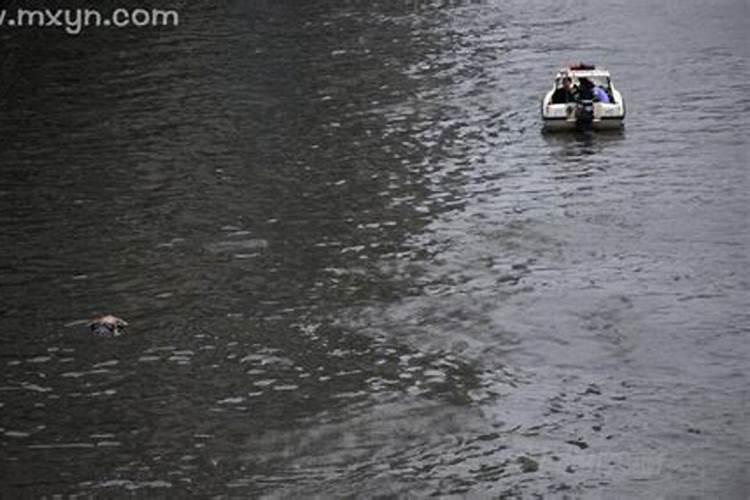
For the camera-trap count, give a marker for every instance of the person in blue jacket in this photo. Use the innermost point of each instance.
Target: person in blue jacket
(600, 94)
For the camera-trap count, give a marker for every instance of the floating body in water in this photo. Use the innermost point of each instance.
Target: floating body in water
(108, 326)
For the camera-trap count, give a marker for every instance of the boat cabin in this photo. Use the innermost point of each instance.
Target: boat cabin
(599, 77)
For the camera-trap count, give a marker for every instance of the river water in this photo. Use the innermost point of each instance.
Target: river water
(353, 267)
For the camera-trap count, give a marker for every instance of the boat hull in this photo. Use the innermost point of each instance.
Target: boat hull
(571, 124)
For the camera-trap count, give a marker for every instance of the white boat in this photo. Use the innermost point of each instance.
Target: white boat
(593, 102)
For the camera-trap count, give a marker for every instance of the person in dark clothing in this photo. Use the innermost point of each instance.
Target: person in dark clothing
(586, 89)
(566, 93)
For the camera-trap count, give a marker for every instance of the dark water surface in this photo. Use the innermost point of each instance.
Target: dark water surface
(353, 267)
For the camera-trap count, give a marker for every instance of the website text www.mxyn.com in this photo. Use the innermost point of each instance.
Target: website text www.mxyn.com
(75, 21)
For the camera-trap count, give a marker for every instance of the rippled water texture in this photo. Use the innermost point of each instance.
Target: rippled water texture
(352, 266)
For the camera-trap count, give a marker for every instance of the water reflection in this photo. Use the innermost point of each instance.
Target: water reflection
(576, 145)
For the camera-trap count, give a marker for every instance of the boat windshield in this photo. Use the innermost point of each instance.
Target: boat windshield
(599, 81)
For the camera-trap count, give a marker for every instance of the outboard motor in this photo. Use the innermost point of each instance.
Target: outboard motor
(585, 107)
(585, 113)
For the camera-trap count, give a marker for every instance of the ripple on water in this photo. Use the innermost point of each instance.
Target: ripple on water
(237, 245)
(128, 485)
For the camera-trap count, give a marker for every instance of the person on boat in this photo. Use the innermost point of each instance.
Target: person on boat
(586, 89)
(592, 92)
(600, 94)
(565, 93)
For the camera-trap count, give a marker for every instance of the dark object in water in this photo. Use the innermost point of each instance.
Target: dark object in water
(528, 464)
(580, 443)
(108, 326)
